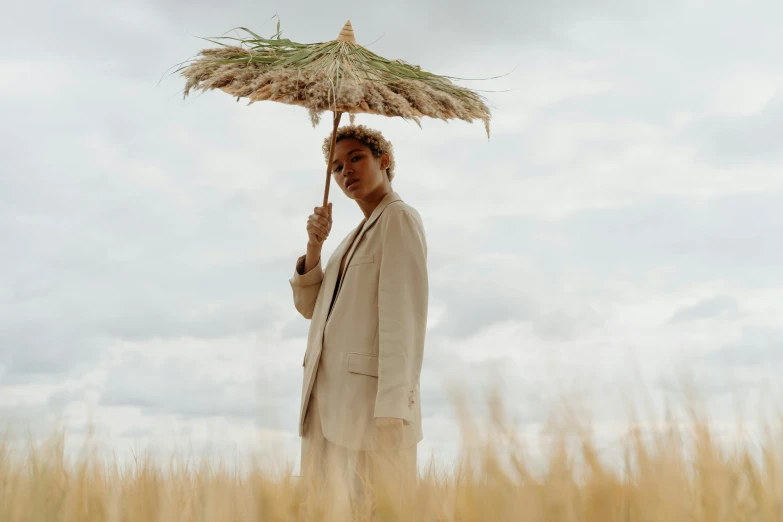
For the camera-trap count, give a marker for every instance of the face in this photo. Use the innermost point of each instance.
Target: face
(360, 175)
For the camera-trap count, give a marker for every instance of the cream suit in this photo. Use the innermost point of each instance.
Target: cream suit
(364, 353)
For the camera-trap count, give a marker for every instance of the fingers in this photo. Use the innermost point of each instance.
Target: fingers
(325, 212)
(321, 222)
(315, 228)
(315, 225)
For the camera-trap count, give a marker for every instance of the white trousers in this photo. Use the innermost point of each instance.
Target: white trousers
(352, 479)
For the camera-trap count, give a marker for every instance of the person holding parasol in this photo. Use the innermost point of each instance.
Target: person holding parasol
(360, 408)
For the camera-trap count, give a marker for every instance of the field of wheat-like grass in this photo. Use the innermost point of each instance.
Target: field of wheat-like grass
(679, 471)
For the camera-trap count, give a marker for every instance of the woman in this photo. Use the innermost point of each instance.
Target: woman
(360, 416)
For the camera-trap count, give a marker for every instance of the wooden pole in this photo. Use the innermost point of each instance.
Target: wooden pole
(337, 116)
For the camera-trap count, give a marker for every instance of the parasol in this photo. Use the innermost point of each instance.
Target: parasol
(339, 75)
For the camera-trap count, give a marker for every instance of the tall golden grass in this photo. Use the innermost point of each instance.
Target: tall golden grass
(671, 471)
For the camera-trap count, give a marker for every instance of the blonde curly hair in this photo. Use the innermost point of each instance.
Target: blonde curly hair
(371, 138)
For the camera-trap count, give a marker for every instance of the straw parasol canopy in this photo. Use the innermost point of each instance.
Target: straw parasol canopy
(340, 76)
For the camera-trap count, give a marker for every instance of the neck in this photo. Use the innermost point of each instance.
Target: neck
(371, 202)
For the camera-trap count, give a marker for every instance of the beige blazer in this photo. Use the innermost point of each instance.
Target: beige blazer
(367, 350)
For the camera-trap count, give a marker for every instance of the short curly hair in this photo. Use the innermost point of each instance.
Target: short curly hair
(371, 138)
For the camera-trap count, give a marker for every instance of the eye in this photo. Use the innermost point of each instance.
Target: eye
(338, 169)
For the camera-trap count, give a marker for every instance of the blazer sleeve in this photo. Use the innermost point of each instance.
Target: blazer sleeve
(402, 315)
(306, 286)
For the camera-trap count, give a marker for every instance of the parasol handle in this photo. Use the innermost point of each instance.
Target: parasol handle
(337, 116)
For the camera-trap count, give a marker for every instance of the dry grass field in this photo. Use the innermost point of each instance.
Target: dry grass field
(676, 472)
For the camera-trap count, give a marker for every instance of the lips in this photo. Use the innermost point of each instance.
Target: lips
(352, 183)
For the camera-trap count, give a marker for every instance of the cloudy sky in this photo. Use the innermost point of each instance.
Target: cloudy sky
(621, 227)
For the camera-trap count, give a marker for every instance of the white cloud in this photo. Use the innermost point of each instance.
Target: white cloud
(721, 305)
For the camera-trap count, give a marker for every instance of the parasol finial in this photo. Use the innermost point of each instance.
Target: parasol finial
(346, 33)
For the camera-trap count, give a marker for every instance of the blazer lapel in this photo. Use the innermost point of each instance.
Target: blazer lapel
(330, 277)
(333, 268)
(390, 197)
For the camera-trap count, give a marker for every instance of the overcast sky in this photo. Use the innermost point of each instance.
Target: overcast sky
(622, 226)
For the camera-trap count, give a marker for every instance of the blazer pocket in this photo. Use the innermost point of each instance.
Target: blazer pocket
(363, 363)
(359, 260)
